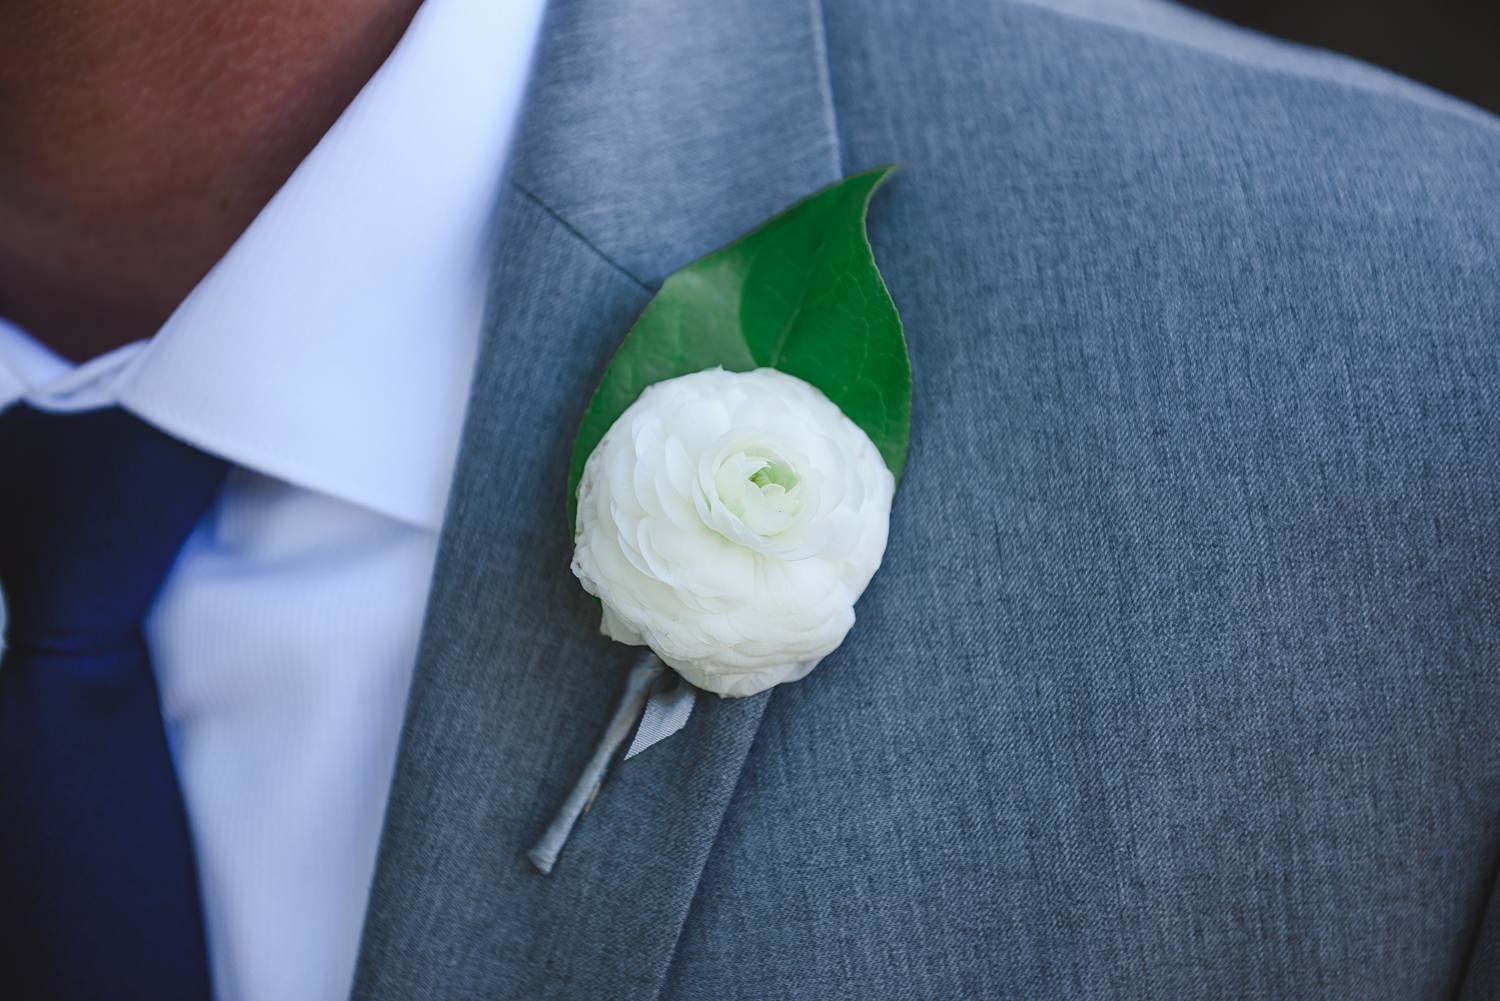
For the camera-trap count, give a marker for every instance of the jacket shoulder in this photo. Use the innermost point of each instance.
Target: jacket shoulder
(1155, 61)
(1160, 24)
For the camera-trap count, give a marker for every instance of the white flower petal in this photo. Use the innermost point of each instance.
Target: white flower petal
(730, 521)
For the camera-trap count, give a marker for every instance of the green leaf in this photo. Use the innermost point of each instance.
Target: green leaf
(802, 294)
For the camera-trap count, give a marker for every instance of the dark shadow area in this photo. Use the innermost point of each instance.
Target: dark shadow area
(1453, 45)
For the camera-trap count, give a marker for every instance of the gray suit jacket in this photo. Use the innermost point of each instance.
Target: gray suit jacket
(1182, 676)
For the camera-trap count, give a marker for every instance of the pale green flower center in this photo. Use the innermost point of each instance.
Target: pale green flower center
(761, 489)
(774, 475)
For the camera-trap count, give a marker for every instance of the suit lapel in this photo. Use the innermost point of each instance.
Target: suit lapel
(656, 130)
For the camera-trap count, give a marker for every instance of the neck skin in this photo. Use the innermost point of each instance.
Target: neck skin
(138, 140)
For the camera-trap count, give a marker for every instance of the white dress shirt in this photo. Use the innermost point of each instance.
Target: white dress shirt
(327, 356)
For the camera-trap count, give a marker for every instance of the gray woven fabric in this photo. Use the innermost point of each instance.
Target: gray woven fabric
(1180, 679)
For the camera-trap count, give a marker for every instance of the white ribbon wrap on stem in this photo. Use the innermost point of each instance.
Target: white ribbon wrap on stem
(667, 711)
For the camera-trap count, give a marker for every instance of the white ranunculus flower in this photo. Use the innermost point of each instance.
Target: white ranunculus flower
(729, 520)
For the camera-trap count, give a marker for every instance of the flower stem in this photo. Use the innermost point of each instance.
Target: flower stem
(632, 702)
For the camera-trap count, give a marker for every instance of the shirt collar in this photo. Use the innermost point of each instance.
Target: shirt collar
(332, 346)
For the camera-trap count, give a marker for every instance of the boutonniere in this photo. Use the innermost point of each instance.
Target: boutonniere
(730, 487)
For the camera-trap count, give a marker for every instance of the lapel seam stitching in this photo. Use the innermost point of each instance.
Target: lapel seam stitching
(819, 18)
(671, 958)
(817, 24)
(577, 235)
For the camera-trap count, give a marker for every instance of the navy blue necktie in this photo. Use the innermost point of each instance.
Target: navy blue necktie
(98, 887)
